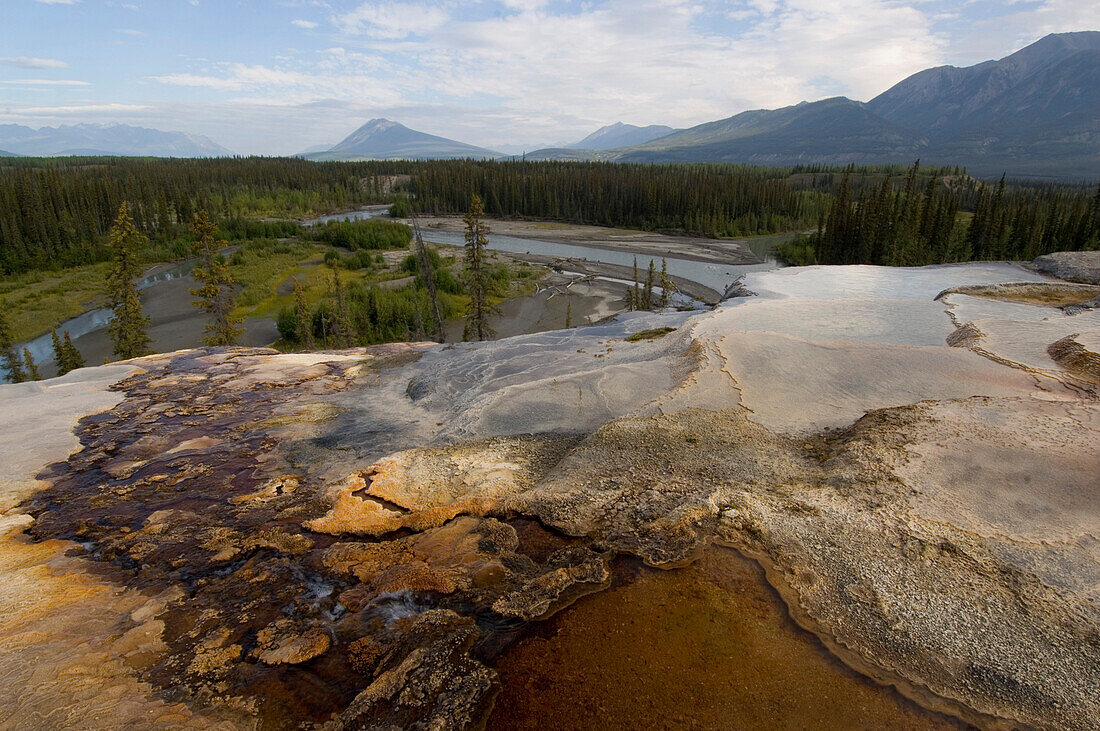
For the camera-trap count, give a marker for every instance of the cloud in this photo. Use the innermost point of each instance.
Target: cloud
(28, 62)
(57, 2)
(510, 71)
(75, 109)
(392, 20)
(46, 82)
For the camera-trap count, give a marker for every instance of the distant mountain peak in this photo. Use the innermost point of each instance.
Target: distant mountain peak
(383, 139)
(619, 134)
(380, 124)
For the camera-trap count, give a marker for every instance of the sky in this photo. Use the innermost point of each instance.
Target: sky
(283, 76)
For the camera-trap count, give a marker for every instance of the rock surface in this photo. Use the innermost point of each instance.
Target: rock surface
(1072, 266)
(355, 538)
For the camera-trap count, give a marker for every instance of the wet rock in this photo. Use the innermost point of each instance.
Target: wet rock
(284, 641)
(435, 686)
(424, 488)
(330, 551)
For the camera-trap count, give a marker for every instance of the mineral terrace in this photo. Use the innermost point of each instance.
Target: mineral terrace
(391, 537)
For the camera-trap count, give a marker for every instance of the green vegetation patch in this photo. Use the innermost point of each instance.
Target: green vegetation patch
(38, 301)
(653, 334)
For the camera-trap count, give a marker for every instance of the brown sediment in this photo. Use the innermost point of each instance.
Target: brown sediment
(1074, 356)
(705, 646)
(1051, 294)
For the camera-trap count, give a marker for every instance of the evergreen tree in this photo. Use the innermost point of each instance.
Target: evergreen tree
(342, 336)
(127, 328)
(12, 363)
(666, 285)
(302, 319)
(650, 277)
(59, 354)
(477, 276)
(73, 358)
(634, 295)
(216, 294)
(427, 276)
(31, 366)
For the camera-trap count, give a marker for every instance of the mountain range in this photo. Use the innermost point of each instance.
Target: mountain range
(622, 135)
(1033, 113)
(105, 139)
(382, 139)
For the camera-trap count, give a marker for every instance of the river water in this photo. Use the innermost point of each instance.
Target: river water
(716, 276)
(91, 326)
(41, 348)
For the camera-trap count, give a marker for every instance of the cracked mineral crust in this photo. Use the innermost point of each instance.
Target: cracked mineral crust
(355, 539)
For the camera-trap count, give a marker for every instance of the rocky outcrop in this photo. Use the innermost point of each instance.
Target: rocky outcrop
(1072, 266)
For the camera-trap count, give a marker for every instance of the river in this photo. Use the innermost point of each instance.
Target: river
(176, 324)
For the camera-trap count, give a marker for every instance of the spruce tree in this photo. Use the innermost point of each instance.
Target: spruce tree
(302, 320)
(636, 294)
(12, 363)
(666, 285)
(427, 275)
(73, 358)
(343, 336)
(477, 277)
(216, 295)
(31, 366)
(127, 328)
(58, 353)
(650, 279)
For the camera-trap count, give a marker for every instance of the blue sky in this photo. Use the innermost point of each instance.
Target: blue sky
(278, 77)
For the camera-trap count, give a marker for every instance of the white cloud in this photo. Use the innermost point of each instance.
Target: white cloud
(392, 20)
(28, 62)
(46, 82)
(552, 72)
(75, 109)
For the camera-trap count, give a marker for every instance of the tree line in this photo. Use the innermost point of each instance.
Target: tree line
(938, 220)
(708, 200)
(129, 325)
(56, 212)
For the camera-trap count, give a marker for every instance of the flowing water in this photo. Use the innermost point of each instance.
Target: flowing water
(360, 215)
(41, 348)
(715, 276)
